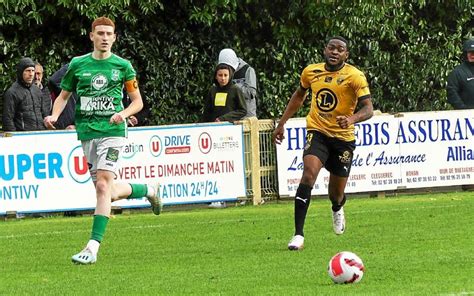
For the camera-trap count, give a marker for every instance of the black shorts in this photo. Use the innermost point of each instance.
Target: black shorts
(336, 155)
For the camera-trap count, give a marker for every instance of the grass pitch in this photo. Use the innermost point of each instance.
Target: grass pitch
(414, 245)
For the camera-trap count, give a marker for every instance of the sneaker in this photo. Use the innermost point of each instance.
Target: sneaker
(296, 243)
(338, 221)
(217, 205)
(84, 257)
(155, 200)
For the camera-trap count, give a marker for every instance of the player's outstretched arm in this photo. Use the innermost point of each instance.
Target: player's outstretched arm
(294, 104)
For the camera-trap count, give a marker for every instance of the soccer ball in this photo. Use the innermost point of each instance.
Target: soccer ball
(346, 268)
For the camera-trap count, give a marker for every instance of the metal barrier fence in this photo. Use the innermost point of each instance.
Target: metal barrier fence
(260, 160)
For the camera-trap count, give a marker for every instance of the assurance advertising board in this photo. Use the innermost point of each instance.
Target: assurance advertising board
(406, 150)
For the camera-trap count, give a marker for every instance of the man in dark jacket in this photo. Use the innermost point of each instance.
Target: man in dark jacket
(460, 88)
(66, 119)
(24, 106)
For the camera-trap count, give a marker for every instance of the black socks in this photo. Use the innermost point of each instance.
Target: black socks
(336, 207)
(302, 200)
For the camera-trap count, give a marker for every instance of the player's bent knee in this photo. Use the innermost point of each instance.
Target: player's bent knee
(308, 179)
(101, 186)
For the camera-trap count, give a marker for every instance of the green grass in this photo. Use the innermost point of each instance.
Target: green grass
(416, 245)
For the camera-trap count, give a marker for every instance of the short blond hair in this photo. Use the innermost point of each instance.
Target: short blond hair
(102, 21)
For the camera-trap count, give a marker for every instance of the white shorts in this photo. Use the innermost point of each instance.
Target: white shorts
(103, 154)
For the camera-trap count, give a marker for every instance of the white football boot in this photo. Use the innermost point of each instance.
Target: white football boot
(296, 243)
(338, 221)
(84, 257)
(155, 199)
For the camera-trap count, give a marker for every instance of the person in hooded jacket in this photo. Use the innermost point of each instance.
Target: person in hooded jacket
(460, 87)
(24, 105)
(244, 77)
(225, 100)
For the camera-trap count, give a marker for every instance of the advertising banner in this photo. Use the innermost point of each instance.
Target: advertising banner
(47, 171)
(437, 148)
(406, 150)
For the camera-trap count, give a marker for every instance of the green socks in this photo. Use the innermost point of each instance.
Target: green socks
(98, 227)
(138, 191)
(100, 222)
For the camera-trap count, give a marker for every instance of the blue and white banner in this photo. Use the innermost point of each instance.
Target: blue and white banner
(47, 171)
(406, 150)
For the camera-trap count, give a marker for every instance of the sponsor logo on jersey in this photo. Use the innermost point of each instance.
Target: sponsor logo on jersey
(99, 82)
(89, 104)
(326, 100)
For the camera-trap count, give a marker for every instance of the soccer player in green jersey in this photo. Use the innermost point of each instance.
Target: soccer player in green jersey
(98, 79)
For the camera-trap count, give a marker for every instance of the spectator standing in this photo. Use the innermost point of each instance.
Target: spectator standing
(337, 89)
(38, 81)
(24, 105)
(225, 100)
(244, 77)
(66, 119)
(460, 87)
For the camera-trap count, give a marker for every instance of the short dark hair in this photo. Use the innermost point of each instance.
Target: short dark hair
(225, 66)
(339, 38)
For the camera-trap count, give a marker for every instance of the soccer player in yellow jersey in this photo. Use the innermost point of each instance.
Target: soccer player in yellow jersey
(337, 88)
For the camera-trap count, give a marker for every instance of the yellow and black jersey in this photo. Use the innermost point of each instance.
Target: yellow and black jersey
(333, 94)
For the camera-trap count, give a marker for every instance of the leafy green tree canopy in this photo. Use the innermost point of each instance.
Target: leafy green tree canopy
(405, 48)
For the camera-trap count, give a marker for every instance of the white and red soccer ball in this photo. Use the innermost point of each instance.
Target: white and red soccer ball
(346, 268)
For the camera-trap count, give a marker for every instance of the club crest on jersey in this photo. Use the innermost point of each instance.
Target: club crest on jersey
(99, 82)
(115, 75)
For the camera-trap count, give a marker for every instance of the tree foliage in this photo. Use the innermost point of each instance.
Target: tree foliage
(406, 48)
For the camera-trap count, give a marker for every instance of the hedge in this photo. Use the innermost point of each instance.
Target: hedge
(406, 48)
